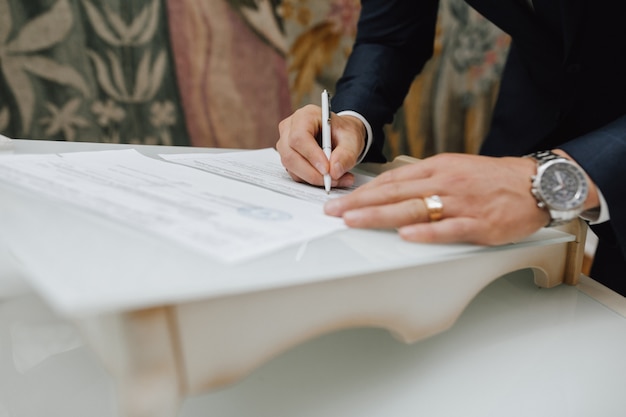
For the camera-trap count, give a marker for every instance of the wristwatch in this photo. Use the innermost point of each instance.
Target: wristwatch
(560, 186)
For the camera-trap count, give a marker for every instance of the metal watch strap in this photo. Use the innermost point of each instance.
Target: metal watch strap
(543, 157)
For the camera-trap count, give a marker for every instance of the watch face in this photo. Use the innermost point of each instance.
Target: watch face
(563, 186)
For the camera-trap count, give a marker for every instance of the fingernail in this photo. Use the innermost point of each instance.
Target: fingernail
(352, 217)
(406, 232)
(321, 168)
(332, 207)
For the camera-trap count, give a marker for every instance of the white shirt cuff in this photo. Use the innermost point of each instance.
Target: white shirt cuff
(600, 215)
(368, 129)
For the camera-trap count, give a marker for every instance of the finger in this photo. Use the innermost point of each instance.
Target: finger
(314, 177)
(305, 126)
(295, 177)
(450, 230)
(341, 161)
(388, 216)
(298, 168)
(410, 172)
(297, 144)
(377, 195)
(302, 171)
(345, 181)
(459, 230)
(348, 134)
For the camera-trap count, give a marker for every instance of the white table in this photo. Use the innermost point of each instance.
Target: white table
(517, 351)
(161, 350)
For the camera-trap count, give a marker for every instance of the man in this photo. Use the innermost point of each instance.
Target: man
(563, 90)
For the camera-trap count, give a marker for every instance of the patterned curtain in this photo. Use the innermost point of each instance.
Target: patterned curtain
(232, 74)
(223, 73)
(88, 70)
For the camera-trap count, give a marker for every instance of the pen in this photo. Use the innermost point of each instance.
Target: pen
(326, 147)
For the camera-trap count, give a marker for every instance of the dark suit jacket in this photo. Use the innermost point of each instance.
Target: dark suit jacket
(564, 85)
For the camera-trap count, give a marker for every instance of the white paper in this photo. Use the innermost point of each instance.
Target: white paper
(226, 219)
(262, 168)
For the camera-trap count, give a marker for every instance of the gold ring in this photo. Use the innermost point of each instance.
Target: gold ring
(434, 207)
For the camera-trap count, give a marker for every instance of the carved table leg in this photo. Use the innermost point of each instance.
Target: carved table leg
(575, 250)
(139, 350)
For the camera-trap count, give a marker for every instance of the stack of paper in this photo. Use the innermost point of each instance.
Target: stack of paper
(237, 206)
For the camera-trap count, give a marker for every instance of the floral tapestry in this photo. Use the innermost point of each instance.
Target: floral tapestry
(88, 70)
(231, 66)
(223, 73)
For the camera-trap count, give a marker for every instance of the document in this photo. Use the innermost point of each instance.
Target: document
(262, 168)
(228, 219)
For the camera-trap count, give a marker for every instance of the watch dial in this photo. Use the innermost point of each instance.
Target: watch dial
(563, 186)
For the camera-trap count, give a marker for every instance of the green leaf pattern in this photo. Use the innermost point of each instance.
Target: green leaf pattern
(18, 56)
(64, 119)
(115, 31)
(44, 31)
(70, 73)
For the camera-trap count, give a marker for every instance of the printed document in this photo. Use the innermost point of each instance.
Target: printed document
(229, 220)
(262, 168)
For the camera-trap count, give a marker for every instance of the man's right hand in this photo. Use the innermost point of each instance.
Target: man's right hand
(302, 155)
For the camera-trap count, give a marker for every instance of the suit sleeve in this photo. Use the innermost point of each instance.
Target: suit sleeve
(394, 40)
(602, 154)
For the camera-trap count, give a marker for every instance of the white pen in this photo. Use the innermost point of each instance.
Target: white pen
(326, 146)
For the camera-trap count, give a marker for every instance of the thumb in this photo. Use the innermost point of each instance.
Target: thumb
(349, 136)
